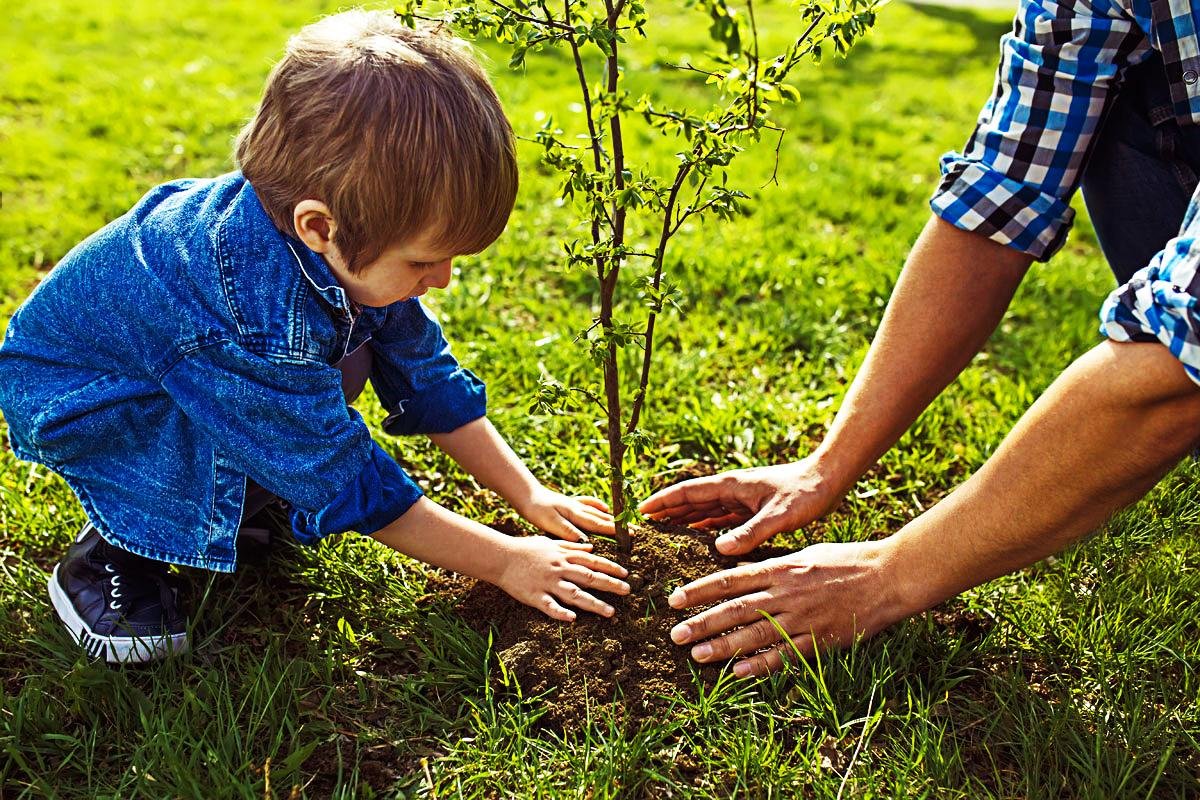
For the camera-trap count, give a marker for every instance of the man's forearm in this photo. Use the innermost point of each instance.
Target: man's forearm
(952, 293)
(1099, 438)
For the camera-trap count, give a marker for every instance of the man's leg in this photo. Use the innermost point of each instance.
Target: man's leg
(1141, 172)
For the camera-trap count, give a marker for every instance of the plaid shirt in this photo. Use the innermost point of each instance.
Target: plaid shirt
(1161, 302)
(1059, 69)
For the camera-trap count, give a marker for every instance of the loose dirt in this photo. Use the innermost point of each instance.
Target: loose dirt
(625, 665)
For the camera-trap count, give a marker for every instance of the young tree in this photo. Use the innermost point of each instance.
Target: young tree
(629, 211)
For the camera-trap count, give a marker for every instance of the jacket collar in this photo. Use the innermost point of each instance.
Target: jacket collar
(255, 236)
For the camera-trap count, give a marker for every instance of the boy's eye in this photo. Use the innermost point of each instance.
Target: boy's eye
(423, 264)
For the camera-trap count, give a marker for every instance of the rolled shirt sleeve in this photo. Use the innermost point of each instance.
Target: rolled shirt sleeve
(1159, 303)
(1014, 179)
(287, 427)
(418, 380)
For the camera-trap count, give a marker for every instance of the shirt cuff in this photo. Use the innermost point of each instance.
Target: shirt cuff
(974, 196)
(1153, 308)
(378, 495)
(441, 408)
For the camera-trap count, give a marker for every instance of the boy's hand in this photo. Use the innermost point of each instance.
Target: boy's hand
(550, 575)
(564, 516)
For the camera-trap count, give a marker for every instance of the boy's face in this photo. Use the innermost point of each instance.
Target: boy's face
(402, 271)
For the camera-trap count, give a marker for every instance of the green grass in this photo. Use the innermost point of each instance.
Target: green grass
(327, 669)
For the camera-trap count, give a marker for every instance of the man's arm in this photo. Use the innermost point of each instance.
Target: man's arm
(949, 298)
(1099, 438)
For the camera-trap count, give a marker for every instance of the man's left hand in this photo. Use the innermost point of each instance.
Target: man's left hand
(827, 594)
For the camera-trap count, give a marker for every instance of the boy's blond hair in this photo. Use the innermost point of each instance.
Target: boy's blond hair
(397, 130)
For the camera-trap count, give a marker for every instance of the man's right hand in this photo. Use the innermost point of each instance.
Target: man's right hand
(760, 502)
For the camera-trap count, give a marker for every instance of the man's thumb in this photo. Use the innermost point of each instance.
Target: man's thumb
(747, 536)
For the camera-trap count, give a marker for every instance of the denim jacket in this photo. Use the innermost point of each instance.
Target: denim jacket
(188, 345)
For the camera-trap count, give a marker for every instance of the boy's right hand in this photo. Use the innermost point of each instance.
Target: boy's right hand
(550, 575)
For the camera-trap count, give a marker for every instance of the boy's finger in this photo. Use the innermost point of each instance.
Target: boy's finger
(550, 607)
(600, 564)
(596, 580)
(569, 532)
(594, 522)
(594, 502)
(572, 595)
(584, 546)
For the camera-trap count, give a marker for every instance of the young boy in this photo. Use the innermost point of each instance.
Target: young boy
(197, 355)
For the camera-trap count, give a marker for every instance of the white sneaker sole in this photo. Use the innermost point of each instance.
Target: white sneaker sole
(113, 649)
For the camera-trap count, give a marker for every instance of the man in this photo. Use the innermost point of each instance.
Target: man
(1104, 93)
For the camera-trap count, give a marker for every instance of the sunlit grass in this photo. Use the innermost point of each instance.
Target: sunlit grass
(329, 670)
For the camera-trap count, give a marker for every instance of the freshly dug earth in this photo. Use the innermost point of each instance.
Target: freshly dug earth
(626, 664)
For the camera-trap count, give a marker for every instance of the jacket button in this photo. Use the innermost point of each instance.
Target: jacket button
(1189, 76)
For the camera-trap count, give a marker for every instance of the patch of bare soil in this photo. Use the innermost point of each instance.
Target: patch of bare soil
(626, 665)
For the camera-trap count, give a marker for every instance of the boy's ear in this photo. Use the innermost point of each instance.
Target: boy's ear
(314, 225)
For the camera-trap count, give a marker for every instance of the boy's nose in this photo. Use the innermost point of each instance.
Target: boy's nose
(439, 278)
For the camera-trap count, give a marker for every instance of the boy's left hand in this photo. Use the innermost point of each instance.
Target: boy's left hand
(567, 517)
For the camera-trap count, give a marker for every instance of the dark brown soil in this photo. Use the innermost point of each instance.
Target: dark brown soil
(626, 664)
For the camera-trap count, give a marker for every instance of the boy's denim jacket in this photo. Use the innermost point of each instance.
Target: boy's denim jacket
(189, 345)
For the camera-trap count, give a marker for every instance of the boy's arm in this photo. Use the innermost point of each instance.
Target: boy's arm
(537, 571)
(480, 450)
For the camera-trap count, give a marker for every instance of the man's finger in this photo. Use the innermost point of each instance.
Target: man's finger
(688, 493)
(676, 512)
(720, 586)
(717, 620)
(762, 526)
(772, 660)
(739, 642)
(723, 521)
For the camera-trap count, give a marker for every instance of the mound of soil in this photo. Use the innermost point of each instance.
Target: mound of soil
(626, 664)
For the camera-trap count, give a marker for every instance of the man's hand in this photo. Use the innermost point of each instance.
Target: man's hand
(550, 575)
(1104, 433)
(826, 594)
(566, 516)
(760, 502)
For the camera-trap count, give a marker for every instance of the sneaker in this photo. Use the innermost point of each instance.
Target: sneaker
(118, 605)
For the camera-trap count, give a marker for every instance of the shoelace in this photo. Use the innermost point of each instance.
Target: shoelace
(118, 600)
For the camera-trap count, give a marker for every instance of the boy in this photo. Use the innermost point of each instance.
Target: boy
(197, 355)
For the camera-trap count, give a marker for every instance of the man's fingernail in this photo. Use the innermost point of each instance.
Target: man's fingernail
(724, 541)
(742, 669)
(583, 538)
(677, 597)
(609, 611)
(702, 652)
(681, 633)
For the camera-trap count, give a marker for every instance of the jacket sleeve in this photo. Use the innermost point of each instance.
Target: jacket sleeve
(288, 428)
(418, 381)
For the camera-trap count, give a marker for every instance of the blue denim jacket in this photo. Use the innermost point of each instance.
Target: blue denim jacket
(188, 345)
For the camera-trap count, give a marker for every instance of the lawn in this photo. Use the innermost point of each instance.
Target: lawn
(332, 671)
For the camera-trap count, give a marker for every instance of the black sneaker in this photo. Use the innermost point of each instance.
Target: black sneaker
(118, 605)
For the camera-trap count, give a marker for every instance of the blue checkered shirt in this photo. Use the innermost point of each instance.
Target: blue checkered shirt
(1161, 302)
(1060, 68)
